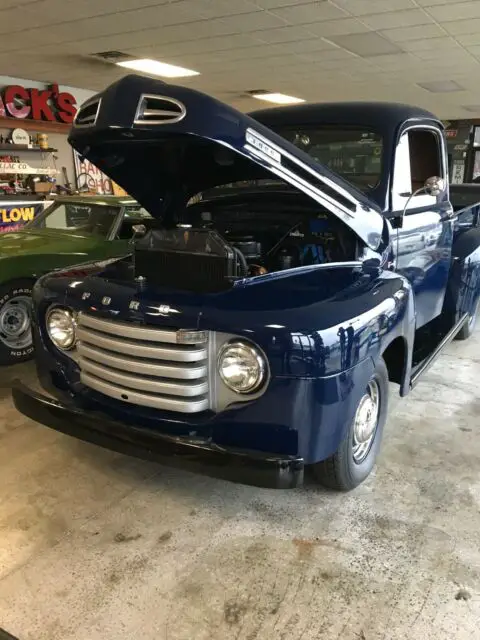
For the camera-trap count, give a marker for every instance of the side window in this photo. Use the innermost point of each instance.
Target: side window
(425, 158)
(418, 157)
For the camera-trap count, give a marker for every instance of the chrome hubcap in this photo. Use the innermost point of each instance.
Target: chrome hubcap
(15, 329)
(366, 422)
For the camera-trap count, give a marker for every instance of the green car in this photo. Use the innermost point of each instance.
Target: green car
(71, 231)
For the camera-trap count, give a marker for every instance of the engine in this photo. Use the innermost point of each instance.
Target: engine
(211, 255)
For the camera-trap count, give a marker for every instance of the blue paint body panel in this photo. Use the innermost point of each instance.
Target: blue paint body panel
(319, 359)
(323, 328)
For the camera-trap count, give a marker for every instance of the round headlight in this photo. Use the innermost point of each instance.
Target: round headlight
(61, 328)
(242, 367)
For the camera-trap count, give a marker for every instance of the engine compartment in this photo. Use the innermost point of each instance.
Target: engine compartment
(278, 239)
(210, 247)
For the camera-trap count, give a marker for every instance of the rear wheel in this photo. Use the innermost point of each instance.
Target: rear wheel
(355, 458)
(469, 327)
(15, 328)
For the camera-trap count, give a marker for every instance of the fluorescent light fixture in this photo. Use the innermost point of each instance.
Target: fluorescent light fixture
(277, 98)
(156, 68)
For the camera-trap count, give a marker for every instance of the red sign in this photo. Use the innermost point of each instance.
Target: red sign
(50, 104)
(451, 133)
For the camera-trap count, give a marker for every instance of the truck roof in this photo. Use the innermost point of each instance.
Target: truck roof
(375, 115)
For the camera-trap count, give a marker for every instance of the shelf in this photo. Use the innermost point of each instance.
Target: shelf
(23, 147)
(35, 125)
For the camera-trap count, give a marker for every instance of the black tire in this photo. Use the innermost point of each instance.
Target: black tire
(14, 297)
(341, 471)
(469, 327)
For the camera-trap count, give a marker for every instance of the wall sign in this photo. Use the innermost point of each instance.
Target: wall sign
(50, 104)
(90, 178)
(14, 216)
(25, 169)
(458, 172)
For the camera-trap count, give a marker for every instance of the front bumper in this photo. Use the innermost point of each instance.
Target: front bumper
(200, 456)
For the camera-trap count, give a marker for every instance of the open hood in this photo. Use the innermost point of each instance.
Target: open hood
(163, 144)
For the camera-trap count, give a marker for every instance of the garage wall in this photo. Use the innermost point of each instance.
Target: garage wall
(64, 156)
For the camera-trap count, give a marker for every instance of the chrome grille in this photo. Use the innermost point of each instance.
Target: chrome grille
(142, 365)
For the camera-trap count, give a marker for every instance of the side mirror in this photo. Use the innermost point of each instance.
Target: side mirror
(434, 185)
(139, 230)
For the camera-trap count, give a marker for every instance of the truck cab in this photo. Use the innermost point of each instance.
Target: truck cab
(302, 258)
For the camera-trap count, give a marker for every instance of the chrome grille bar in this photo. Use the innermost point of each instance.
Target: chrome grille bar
(142, 365)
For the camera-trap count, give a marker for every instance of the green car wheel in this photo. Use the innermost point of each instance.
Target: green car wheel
(15, 328)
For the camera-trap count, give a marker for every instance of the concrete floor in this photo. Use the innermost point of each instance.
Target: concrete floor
(97, 546)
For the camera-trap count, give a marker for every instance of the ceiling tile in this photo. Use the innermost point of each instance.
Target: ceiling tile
(305, 46)
(284, 34)
(396, 19)
(331, 54)
(468, 39)
(404, 34)
(427, 44)
(441, 86)
(435, 3)
(247, 22)
(475, 51)
(394, 62)
(51, 12)
(366, 44)
(219, 8)
(462, 27)
(274, 4)
(457, 11)
(450, 56)
(312, 12)
(337, 27)
(365, 7)
(251, 53)
(8, 4)
(204, 45)
(124, 22)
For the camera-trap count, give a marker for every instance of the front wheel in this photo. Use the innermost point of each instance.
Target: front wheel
(15, 327)
(356, 455)
(469, 327)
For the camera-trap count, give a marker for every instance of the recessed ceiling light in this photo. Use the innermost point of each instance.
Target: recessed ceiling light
(277, 98)
(157, 68)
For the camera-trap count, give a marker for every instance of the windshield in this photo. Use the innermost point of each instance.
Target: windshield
(80, 218)
(353, 152)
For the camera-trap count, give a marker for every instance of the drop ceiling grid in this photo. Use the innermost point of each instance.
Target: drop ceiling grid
(288, 41)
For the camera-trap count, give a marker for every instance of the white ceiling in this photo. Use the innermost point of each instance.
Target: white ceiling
(325, 50)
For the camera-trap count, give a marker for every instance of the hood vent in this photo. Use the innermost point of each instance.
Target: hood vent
(88, 113)
(159, 110)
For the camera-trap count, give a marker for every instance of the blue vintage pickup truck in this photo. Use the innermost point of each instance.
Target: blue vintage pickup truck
(297, 261)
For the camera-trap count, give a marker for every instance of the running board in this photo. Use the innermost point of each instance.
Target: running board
(425, 365)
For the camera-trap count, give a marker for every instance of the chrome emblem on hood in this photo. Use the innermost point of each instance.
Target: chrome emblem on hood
(162, 310)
